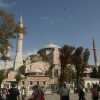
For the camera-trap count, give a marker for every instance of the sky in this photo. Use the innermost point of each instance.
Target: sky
(70, 22)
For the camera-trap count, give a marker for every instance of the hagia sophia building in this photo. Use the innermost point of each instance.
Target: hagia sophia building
(42, 68)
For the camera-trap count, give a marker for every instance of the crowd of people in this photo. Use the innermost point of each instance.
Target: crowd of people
(37, 94)
(64, 92)
(14, 94)
(10, 94)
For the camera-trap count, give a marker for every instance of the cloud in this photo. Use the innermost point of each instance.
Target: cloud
(6, 5)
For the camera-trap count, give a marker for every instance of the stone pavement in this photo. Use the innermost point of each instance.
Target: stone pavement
(72, 97)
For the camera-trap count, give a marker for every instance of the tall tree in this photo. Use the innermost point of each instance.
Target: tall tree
(18, 77)
(85, 55)
(94, 73)
(78, 62)
(65, 60)
(2, 76)
(22, 70)
(8, 30)
(69, 75)
(98, 71)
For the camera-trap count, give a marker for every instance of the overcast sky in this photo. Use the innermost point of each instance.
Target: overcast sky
(70, 22)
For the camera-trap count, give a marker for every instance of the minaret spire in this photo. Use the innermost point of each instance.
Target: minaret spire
(18, 59)
(95, 53)
(21, 20)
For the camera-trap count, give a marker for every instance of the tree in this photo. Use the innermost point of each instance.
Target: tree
(69, 55)
(86, 55)
(94, 73)
(8, 30)
(18, 78)
(98, 71)
(2, 76)
(77, 61)
(80, 60)
(22, 70)
(65, 59)
(69, 75)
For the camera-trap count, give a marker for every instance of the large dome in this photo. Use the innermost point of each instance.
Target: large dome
(51, 46)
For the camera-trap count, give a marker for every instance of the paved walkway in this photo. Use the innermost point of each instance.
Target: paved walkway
(72, 97)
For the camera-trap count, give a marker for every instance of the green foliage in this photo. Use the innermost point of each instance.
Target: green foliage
(65, 55)
(86, 56)
(98, 71)
(18, 77)
(7, 27)
(3, 57)
(22, 70)
(78, 57)
(8, 30)
(65, 59)
(94, 73)
(77, 60)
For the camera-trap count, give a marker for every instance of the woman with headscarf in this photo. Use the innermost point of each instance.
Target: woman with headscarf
(36, 95)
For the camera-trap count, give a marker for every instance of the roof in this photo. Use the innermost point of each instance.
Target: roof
(90, 78)
(51, 46)
(36, 70)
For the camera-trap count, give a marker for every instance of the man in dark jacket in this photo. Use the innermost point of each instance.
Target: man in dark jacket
(14, 92)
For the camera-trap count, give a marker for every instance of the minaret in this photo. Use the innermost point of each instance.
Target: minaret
(7, 55)
(95, 53)
(18, 59)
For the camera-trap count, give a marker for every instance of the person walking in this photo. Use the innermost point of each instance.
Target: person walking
(36, 95)
(81, 93)
(4, 95)
(95, 92)
(58, 90)
(23, 93)
(64, 92)
(14, 92)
